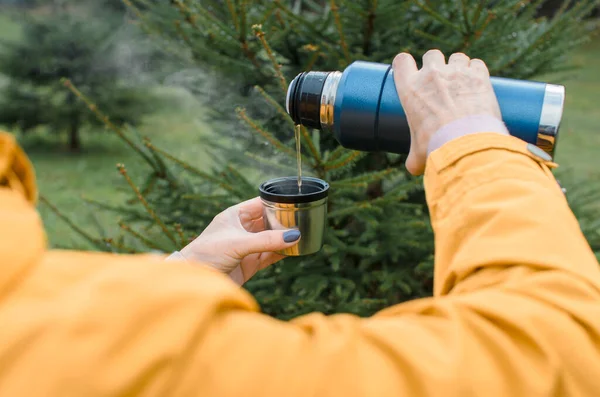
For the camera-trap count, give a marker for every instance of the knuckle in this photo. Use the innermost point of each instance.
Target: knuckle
(434, 74)
(220, 217)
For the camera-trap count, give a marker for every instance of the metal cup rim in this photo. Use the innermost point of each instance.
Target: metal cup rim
(319, 190)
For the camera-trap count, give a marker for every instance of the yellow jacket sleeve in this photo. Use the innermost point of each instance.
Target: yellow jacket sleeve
(516, 310)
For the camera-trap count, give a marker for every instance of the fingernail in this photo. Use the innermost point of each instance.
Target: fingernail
(291, 236)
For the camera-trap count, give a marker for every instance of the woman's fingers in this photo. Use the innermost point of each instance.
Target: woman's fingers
(257, 225)
(251, 209)
(404, 66)
(480, 67)
(433, 59)
(252, 264)
(266, 259)
(459, 60)
(266, 241)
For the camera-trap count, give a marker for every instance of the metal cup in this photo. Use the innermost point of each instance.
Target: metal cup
(287, 208)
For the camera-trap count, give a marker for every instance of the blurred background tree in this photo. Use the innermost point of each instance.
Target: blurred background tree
(61, 41)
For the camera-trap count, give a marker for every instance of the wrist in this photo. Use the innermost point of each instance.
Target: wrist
(468, 125)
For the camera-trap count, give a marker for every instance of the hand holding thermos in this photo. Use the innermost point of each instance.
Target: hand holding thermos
(439, 94)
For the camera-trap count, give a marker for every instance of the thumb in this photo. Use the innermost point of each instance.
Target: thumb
(268, 241)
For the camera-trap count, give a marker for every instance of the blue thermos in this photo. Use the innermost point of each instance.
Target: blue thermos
(361, 107)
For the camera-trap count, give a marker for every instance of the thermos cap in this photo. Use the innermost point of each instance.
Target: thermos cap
(303, 100)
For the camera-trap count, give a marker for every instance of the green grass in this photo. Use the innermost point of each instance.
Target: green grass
(9, 27)
(578, 150)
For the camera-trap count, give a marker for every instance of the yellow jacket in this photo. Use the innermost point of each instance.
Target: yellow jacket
(516, 310)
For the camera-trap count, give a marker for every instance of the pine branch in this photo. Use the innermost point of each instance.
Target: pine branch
(373, 205)
(364, 180)
(192, 18)
(162, 172)
(240, 179)
(119, 246)
(280, 109)
(207, 52)
(369, 27)
(269, 162)
(81, 232)
(343, 161)
(308, 25)
(241, 28)
(490, 17)
(576, 12)
(179, 230)
(465, 16)
(102, 117)
(243, 19)
(100, 229)
(258, 32)
(563, 7)
(149, 209)
(190, 168)
(219, 202)
(307, 139)
(146, 241)
(134, 9)
(267, 14)
(433, 38)
(241, 113)
(182, 34)
(145, 26)
(147, 189)
(437, 16)
(338, 25)
(336, 153)
(336, 241)
(477, 13)
(118, 210)
(234, 16)
(355, 209)
(315, 56)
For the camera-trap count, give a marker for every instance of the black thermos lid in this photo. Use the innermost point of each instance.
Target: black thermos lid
(304, 98)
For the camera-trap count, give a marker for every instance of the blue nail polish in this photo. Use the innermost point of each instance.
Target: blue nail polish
(291, 235)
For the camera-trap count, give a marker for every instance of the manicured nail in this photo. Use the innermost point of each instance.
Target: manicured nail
(291, 236)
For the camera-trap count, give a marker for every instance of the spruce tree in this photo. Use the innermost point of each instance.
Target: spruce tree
(66, 42)
(379, 244)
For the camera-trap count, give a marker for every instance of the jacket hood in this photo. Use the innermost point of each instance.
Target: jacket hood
(22, 238)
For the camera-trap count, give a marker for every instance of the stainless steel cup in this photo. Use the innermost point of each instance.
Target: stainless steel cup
(286, 208)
